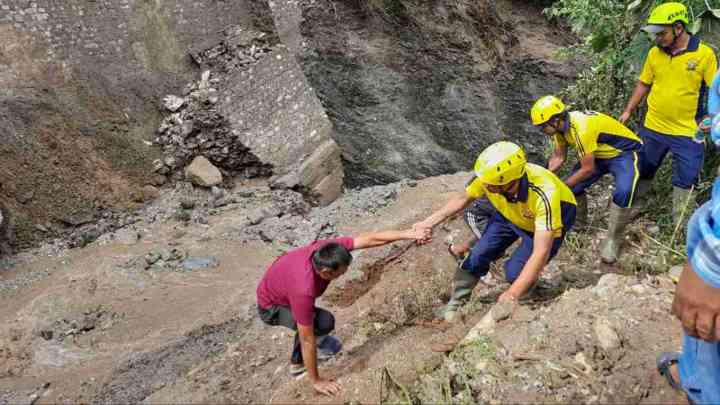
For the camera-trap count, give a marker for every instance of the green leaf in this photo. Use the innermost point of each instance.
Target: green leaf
(600, 41)
(634, 5)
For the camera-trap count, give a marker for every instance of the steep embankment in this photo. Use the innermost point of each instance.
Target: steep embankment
(163, 311)
(406, 89)
(418, 88)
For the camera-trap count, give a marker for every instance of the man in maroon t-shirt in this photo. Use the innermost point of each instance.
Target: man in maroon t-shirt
(287, 292)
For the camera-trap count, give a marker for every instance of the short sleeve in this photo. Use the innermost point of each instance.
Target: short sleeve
(710, 67)
(548, 214)
(588, 138)
(346, 242)
(647, 75)
(475, 189)
(303, 309)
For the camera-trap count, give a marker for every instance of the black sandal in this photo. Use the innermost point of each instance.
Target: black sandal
(664, 362)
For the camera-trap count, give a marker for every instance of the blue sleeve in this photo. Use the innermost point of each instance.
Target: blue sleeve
(714, 96)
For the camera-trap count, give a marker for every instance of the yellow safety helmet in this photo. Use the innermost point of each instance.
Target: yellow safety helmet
(500, 163)
(546, 108)
(664, 15)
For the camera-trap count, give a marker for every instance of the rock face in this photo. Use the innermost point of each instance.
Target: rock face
(202, 173)
(419, 91)
(7, 236)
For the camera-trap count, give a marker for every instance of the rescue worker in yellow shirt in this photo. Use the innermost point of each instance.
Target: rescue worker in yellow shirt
(604, 146)
(676, 76)
(531, 204)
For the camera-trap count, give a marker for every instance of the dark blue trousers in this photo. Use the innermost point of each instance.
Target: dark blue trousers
(624, 168)
(499, 234)
(688, 157)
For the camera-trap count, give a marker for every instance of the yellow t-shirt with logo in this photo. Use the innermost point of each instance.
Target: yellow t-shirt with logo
(676, 102)
(538, 206)
(597, 133)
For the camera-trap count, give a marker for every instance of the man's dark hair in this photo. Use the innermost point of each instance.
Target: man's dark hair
(331, 256)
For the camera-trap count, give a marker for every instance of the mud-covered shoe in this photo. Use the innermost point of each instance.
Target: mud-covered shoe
(297, 370)
(328, 347)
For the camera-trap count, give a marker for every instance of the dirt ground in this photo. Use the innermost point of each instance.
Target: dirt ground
(92, 326)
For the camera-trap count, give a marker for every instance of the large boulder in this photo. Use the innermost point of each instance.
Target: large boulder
(202, 173)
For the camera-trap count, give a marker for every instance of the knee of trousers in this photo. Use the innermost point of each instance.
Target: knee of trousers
(325, 324)
(513, 268)
(478, 266)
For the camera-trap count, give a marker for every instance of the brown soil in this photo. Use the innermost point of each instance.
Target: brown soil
(123, 334)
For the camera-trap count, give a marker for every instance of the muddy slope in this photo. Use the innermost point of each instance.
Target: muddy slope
(417, 88)
(125, 319)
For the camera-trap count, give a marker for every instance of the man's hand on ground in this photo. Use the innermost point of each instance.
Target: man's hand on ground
(507, 296)
(327, 387)
(697, 305)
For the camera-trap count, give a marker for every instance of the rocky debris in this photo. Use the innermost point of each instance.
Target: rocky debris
(234, 49)
(96, 318)
(196, 126)
(169, 259)
(202, 173)
(173, 103)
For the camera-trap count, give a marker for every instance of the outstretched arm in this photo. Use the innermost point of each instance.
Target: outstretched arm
(375, 239)
(456, 204)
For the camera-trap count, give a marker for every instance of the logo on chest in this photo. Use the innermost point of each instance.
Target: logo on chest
(526, 213)
(692, 64)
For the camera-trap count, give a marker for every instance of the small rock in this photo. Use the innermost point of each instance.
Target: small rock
(502, 310)
(217, 192)
(26, 197)
(152, 258)
(173, 103)
(256, 216)
(158, 180)
(200, 262)
(653, 229)
(41, 228)
(127, 236)
(675, 272)
(187, 203)
(150, 193)
(182, 215)
(607, 284)
(202, 173)
(606, 335)
(639, 289)
(33, 398)
(46, 334)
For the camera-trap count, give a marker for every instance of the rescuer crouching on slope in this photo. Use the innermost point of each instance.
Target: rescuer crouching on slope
(531, 203)
(603, 146)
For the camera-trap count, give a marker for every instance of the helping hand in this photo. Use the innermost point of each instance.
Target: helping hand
(422, 232)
